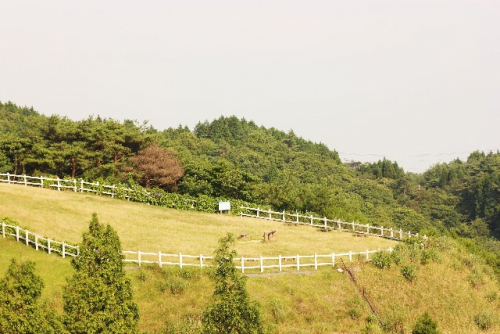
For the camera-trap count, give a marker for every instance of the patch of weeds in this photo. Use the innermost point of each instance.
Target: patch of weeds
(475, 278)
(491, 297)
(468, 261)
(393, 322)
(483, 320)
(415, 255)
(397, 256)
(190, 273)
(355, 313)
(441, 243)
(457, 266)
(429, 255)
(409, 272)
(188, 324)
(382, 260)
(177, 285)
(142, 275)
(278, 310)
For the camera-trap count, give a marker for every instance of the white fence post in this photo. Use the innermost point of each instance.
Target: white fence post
(8, 178)
(3, 229)
(326, 222)
(180, 260)
(297, 216)
(339, 225)
(159, 259)
(48, 245)
(258, 209)
(58, 184)
(27, 238)
(283, 218)
(36, 242)
(353, 228)
(201, 261)
(311, 220)
(81, 186)
(139, 258)
(315, 261)
(75, 187)
(261, 265)
(298, 262)
(63, 250)
(368, 228)
(381, 230)
(350, 256)
(279, 261)
(25, 180)
(400, 234)
(367, 258)
(333, 259)
(41, 181)
(242, 265)
(17, 233)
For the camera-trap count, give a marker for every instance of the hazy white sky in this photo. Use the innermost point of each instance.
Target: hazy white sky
(415, 81)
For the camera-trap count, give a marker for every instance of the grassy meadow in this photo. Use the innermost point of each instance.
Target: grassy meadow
(453, 286)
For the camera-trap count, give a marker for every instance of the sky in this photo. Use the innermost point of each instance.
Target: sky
(416, 82)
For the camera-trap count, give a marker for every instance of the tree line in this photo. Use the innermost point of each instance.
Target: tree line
(236, 159)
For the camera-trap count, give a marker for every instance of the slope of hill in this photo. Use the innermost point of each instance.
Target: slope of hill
(455, 287)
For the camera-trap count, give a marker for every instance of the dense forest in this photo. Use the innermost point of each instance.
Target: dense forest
(236, 159)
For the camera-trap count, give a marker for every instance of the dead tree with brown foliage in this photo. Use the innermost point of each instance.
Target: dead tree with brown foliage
(158, 167)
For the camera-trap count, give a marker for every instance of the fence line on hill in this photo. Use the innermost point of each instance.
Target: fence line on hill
(261, 263)
(295, 218)
(328, 224)
(60, 184)
(51, 246)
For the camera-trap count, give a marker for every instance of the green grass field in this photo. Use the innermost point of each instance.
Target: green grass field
(454, 288)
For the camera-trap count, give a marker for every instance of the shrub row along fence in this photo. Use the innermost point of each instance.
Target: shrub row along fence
(326, 224)
(245, 264)
(135, 193)
(38, 242)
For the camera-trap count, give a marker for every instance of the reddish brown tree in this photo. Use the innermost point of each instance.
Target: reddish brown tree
(158, 167)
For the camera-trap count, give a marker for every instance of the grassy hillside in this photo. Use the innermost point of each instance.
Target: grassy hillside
(452, 285)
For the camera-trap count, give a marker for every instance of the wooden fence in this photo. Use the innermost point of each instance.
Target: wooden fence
(245, 264)
(33, 239)
(328, 224)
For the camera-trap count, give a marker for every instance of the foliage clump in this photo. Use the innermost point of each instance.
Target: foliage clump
(425, 325)
(98, 298)
(20, 310)
(230, 310)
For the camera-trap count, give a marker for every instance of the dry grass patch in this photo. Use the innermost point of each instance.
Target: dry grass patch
(65, 216)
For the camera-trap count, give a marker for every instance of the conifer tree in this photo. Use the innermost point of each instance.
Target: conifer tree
(230, 310)
(98, 298)
(20, 310)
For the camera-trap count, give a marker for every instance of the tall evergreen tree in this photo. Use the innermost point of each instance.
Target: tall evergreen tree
(231, 310)
(98, 298)
(20, 311)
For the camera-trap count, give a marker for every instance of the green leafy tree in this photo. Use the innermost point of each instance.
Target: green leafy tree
(98, 298)
(230, 310)
(20, 310)
(425, 325)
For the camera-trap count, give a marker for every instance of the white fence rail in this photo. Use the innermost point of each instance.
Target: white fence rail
(245, 264)
(47, 244)
(252, 264)
(327, 224)
(59, 184)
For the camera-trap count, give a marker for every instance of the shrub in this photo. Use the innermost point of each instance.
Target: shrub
(492, 296)
(355, 313)
(484, 320)
(409, 272)
(382, 260)
(177, 286)
(425, 325)
(277, 310)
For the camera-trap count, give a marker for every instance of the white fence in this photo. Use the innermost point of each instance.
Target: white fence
(328, 224)
(30, 238)
(59, 184)
(245, 264)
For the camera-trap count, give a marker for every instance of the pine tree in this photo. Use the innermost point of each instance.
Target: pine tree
(20, 311)
(231, 310)
(98, 298)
